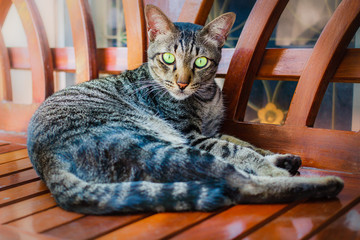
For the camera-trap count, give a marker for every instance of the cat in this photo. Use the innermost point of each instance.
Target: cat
(148, 139)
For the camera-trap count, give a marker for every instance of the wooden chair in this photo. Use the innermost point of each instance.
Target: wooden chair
(27, 209)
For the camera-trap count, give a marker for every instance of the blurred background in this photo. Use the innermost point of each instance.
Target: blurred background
(299, 27)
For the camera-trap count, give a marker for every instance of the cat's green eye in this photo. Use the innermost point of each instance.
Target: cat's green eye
(201, 62)
(168, 58)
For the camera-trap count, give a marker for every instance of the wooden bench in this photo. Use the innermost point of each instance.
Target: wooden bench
(27, 209)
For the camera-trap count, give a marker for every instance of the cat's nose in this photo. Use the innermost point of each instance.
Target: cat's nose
(181, 85)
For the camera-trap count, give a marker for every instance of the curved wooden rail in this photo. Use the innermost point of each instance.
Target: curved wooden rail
(40, 54)
(321, 67)
(5, 80)
(84, 40)
(249, 51)
(195, 11)
(135, 32)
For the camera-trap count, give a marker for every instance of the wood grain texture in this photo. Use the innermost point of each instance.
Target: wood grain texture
(248, 53)
(348, 223)
(16, 117)
(12, 156)
(39, 51)
(320, 148)
(277, 64)
(15, 166)
(5, 80)
(45, 220)
(195, 11)
(83, 33)
(301, 220)
(325, 58)
(135, 32)
(13, 138)
(18, 179)
(10, 148)
(233, 222)
(26, 208)
(92, 226)
(11, 233)
(22, 192)
(167, 222)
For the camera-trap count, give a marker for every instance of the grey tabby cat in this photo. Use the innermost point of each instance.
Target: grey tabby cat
(147, 140)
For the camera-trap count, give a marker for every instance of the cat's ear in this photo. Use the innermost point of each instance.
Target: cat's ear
(157, 22)
(218, 29)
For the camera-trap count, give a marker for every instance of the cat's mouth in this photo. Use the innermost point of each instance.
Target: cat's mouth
(180, 94)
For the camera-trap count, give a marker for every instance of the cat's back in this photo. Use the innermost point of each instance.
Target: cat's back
(89, 105)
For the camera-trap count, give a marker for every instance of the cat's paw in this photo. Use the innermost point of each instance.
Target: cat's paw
(271, 171)
(289, 162)
(329, 187)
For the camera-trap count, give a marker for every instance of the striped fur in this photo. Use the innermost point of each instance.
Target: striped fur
(136, 142)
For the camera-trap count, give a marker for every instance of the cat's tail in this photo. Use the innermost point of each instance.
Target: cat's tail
(74, 194)
(263, 189)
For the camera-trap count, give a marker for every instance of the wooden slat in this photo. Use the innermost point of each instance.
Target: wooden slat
(172, 9)
(249, 51)
(308, 215)
(84, 40)
(11, 233)
(17, 179)
(22, 192)
(92, 226)
(15, 166)
(45, 220)
(112, 60)
(13, 138)
(10, 148)
(12, 156)
(277, 64)
(234, 221)
(325, 58)
(320, 148)
(5, 80)
(135, 32)
(4, 9)
(16, 117)
(195, 11)
(167, 223)
(26, 208)
(40, 54)
(345, 227)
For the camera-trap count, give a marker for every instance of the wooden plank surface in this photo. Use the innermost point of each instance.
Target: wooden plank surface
(26, 208)
(18, 179)
(22, 192)
(15, 166)
(349, 223)
(300, 221)
(11, 233)
(12, 156)
(169, 223)
(48, 219)
(92, 226)
(10, 148)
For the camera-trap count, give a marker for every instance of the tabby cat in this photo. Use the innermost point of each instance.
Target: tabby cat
(147, 140)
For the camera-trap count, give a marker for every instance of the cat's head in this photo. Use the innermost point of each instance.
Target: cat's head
(183, 57)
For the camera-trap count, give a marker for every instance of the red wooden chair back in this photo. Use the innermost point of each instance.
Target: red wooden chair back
(327, 61)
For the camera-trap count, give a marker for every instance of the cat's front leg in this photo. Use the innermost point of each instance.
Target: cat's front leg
(289, 162)
(241, 157)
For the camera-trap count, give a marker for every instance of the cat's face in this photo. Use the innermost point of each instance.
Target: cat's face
(183, 57)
